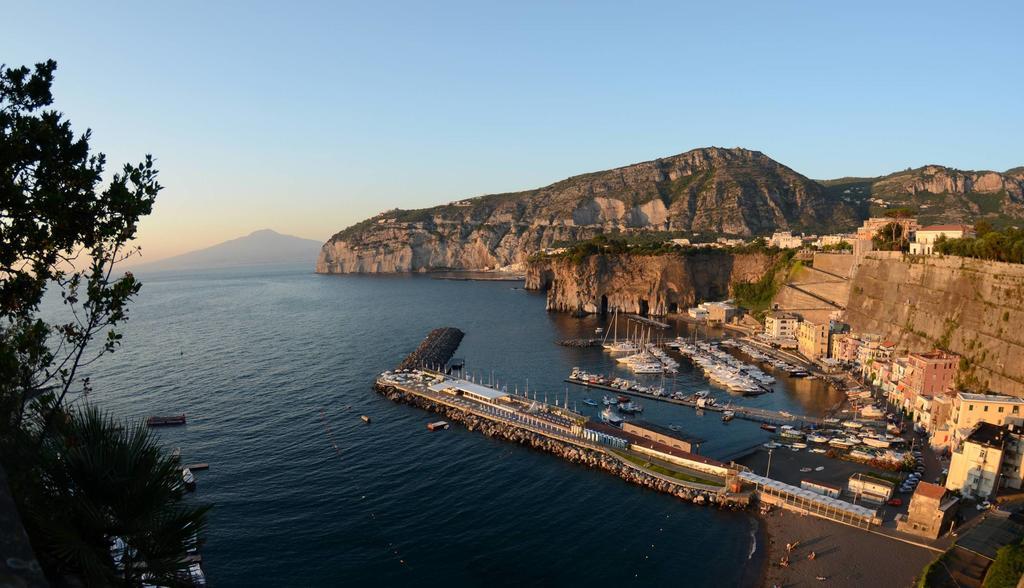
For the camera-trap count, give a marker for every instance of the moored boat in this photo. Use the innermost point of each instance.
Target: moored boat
(438, 425)
(769, 428)
(165, 421)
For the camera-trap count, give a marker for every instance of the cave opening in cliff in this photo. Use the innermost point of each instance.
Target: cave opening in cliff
(644, 309)
(673, 308)
(604, 305)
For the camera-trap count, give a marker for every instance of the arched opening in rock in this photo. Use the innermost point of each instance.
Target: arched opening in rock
(547, 279)
(673, 308)
(644, 309)
(604, 305)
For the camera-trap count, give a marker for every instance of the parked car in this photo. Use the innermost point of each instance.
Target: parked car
(895, 502)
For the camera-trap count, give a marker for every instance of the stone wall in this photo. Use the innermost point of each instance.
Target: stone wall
(971, 307)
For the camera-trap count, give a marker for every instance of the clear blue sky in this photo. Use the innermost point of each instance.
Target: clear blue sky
(306, 117)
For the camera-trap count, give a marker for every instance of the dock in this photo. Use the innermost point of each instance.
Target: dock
(198, 466)
(647, 321)
(758, 415)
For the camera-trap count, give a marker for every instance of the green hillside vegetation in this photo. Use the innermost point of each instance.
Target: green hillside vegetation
(1006, 245)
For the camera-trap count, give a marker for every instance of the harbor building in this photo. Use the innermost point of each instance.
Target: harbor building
(812, 340)
(931, 513)
(869, 488)
(988, 459)
(969, 409)
(470, 390)
(821, 488)
(721, 312)
(931, 373)
(667, 453)
(924, 239)
(781, 325)
(663, 435)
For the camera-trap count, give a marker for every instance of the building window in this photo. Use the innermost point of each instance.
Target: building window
(985, 409)
(1000, 409)
(970, 407)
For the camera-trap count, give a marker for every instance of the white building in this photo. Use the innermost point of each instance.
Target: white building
(988, 459)
(781, 325)
(785, 240)
(925, 237)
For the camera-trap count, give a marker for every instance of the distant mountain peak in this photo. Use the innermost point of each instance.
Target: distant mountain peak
(264, 246)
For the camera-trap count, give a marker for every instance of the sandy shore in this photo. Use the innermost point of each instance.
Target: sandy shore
(844, 556)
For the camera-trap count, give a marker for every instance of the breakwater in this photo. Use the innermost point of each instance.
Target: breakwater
(573, 453)
(435, 350)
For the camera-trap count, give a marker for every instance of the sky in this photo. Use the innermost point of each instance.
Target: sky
(305, 117)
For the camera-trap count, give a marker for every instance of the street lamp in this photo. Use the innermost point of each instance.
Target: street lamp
(769, 469)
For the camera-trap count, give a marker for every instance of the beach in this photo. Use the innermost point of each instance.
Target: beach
(844, 556)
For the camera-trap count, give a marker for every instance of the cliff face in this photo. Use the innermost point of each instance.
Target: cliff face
(971, 307)
(654, 285)
(940, 194)
(712, 190)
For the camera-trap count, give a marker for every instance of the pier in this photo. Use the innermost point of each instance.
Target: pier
(641, 460)
(759, 415)
(647, 321)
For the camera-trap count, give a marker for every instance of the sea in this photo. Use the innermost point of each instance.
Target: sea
(274, 366)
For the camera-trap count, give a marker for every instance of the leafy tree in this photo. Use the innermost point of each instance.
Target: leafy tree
(982, 228)
(890, 237)
(63, 227)
(1006, 570)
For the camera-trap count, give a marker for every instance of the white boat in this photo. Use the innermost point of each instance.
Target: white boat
(800, 445)
(599, 330)
(852, 424)
(817, 438)
(790, 433)
(589, 402)
(772, 445)
(188, 478)
(876, 442)
(630, 407)
(840, 443)
(871, 412)
(817, 450)
(608, 401)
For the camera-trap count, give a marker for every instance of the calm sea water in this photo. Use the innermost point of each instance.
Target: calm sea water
(274, 367)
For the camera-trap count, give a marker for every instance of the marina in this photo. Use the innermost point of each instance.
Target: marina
(652, 458)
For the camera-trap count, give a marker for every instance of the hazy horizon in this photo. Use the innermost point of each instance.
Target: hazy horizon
(307, 119)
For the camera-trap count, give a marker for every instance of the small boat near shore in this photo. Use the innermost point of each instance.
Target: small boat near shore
(728, 416)
(769, 428)
(589, 402)
(438, 425)
(188, 479)
(366, 419)
(166, 421)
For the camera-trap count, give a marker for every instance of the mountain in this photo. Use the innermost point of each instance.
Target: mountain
(939, 194)
(257, 248)
(711, 191)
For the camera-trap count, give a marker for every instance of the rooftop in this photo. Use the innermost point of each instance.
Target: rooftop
(470, 387)
(929, 490)
(964, 228)
(990, 398)
(667, 432)
(987, 434)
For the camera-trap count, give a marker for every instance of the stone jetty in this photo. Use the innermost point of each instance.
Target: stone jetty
(435, 350)
(573, 453)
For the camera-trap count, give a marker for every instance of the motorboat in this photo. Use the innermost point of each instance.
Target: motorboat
(188, 479)
(630, 408)
(608, 401)
(728, 416)
(769, 428)
(815, 438)
(589, 402)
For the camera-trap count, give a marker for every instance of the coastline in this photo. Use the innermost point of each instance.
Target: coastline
(845, 556)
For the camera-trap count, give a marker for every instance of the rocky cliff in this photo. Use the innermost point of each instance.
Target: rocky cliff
(655, 284)
(939, 194)
(971, 307)
(712, 191)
